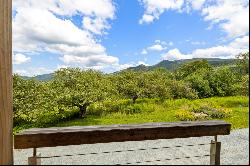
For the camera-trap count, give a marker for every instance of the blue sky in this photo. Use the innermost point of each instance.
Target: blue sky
(112, 35)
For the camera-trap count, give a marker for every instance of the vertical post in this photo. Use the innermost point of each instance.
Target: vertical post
(215, 152)
(34, 160)
(6, 122)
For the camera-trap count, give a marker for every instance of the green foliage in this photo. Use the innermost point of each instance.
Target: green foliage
(242, 86)
(221, 81)
(243, 63)
(212, 112)
(73, 90)
(185, 115)
(235, 111)
(203, 112)
(181, 89)
(191, 67)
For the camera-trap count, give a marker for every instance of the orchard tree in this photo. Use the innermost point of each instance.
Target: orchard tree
(155, 84)
(76, 87)
(31, 99)
(126, 84)
(191, 67)
(221, 81)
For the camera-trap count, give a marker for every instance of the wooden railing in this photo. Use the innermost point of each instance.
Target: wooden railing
(52, 137)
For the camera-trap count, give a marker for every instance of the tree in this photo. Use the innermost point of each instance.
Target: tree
(31, 99)
(200, 84)
(155, 84)
(221, 81)
(242, 63)
(191, 67)
(79, 88)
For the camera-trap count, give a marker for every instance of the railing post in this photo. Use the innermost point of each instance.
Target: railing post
(35, 159)
(215, 149)
(6, 108)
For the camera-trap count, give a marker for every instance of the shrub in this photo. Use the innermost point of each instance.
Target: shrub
(212, 112)
(203, 113)
(184, 115)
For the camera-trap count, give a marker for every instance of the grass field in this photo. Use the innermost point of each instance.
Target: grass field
(151, 110)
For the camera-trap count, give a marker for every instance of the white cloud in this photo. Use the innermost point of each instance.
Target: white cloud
(231, 15)
(21, 72)
(45, 26)
(240, 43)
(170, 43)
(229, 51)
(33, 71)
(196, 4)
(156, 47)
(20, 59)
(198, 43)
(175, 54)
(154, 8)
(104, 9)
(89, 61)
(95, 25)
(144, 52)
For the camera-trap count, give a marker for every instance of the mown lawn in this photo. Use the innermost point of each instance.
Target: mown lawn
(165, 111)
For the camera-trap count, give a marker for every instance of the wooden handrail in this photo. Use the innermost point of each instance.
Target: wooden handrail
(52, 137)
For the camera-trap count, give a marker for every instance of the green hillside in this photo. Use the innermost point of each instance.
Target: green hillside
(169, 65)
(172, 65)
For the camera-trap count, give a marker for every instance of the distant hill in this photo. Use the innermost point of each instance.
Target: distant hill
(169, 65)
(173, 65)
(43, 77)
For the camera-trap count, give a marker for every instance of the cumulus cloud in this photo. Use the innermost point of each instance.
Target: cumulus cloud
(45, 26)
(20, 59)
(229, 51)
(158, 46)
(231, 15)
(175, 54)
(154, 8)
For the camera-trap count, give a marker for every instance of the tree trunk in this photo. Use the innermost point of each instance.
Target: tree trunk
(83, 109)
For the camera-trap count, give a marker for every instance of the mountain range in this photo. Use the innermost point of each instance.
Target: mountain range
(169, 65)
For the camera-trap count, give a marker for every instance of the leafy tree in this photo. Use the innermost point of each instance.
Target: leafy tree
(126, 83)
(242, 63)
(221, 81)
(181, 89)
(191, 67)
(79, 88)
(200, 84)
(31, 99)
(155, 84)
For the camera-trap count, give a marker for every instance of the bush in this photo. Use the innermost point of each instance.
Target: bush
(203, 113)
(212, 112)
(184, 115)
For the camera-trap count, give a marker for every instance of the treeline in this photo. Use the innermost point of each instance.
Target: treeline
(73, 90)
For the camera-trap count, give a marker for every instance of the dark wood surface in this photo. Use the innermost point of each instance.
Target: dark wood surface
(6, 111)
(51, 137)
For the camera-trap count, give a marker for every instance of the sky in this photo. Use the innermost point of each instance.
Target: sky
(111, 35)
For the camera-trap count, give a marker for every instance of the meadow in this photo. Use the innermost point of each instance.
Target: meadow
(234, 110)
